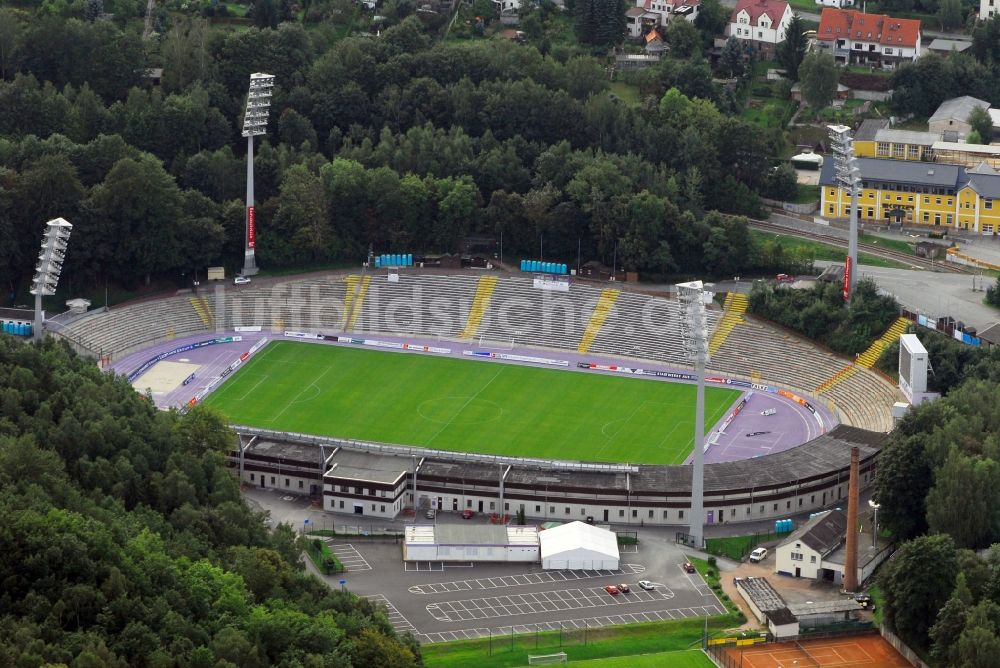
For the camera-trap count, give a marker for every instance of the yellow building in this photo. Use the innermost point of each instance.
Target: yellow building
(898, 145)
(918, 193)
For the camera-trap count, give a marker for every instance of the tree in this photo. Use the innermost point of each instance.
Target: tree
(917, 583)
(599, 22)
(683, 38)
(792, 51)
(948, 626)
(950, 13)
(712, 19)
(981, 124)
(961, 503)
(818, 76)
(993, 294)
(733, 57)
(92, 9)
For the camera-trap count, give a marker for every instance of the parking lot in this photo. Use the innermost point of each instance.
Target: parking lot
(482, 599)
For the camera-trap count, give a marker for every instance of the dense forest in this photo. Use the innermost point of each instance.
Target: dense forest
(400, 143)
(126, 543)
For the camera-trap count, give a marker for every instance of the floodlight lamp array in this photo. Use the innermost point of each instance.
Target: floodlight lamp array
(258, 104)
(51, 257)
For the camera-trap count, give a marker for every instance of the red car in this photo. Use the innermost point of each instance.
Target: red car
(623, 588)
(611, 589)
(689, 567)
(467, 514)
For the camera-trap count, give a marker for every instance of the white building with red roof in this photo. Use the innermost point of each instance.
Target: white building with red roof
(763, 23)
(869, 39)
(652, 14)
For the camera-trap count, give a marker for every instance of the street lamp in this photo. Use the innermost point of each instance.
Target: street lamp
(694, 332)
(49, 267)
(874, 507)
(254, 124)
(849, 177)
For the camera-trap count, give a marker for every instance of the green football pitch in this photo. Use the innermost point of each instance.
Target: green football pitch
(465, 405)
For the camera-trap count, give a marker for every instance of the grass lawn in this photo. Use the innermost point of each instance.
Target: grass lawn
(768, 112)
(321, 555)
(807, 194)
(736, 547)
(820, 251)
(463, 405)
(711, 576)
(892, 244)
(804, 6)
(628, 93)
(633, 641)
(878, 600)
(694, 658)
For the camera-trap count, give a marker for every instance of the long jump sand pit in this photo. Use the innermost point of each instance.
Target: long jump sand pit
(861, 651)
(164, 377)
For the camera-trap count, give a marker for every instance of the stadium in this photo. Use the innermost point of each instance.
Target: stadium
(387, 391)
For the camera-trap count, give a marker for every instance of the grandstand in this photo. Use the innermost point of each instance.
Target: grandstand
(505, 311)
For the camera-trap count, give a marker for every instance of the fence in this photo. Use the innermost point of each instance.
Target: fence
(901, 647)
(736, 548)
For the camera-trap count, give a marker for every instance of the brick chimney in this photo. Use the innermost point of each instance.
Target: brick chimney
(851, 559)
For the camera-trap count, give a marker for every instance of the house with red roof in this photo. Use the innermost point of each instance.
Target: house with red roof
(762, 23)
(649, 15)
(853, 37)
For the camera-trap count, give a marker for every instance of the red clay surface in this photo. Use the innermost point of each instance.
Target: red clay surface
(870, 651)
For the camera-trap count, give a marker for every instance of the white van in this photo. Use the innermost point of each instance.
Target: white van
(758, 555)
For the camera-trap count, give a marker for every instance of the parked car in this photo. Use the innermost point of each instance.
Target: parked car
(864, 600)
(647, 585)
(758, 555)
(689, 567)
(624, 588)
(430, 514)
(467, 514)
(611, 589)
(241, 280)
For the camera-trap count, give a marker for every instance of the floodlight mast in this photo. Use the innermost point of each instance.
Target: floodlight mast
(695, 337)
(849, 177)
(49, 267)
(254, 124)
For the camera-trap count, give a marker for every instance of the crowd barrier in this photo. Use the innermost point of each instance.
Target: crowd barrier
(515, 358)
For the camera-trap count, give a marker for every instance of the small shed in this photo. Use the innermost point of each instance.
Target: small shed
(579, 546)
(78, 305)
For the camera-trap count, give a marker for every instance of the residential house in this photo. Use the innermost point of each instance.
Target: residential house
(853, 37)
(945, 46)
(651, 14)
(817, 550)
(918, 193)
(897, 144)
(839, 4)
(988, 9)
(953, 114)
(761, 23)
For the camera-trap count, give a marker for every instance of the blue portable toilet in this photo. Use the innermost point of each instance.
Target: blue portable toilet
(29, 330)
(522, 265)
(6, 328)
(532, 265)
(20, 329)
(564, 269)
(409, 259)
(378, 260)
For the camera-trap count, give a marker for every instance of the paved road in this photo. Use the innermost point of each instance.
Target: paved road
(935, 294)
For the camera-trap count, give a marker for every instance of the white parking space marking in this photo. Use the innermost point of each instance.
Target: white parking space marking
(699, 584)
(539, 602)
(398, 621)
(350, 557)
(573, 624)
(415, 566)
(521, 579)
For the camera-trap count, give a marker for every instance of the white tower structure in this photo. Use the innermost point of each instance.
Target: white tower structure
(49, 267)
(849, 176)
(695, 333)
(254, 124)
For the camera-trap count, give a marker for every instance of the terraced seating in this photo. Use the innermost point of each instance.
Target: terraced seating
(130, 327)
(597, 318)
(298, 305)
(420, 304)
(481, 302)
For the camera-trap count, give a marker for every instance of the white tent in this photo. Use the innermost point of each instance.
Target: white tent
(579, 546)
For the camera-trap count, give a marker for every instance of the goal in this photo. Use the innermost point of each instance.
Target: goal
(546, 659)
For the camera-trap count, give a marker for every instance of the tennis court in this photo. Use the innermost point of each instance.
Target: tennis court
(868, 651)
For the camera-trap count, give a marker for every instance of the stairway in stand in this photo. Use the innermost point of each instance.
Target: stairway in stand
(481, 302)
(204, 311)
(734, 307)
(869, 357)
(601, 310)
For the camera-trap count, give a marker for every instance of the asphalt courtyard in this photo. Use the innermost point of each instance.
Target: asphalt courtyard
(454, 601)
